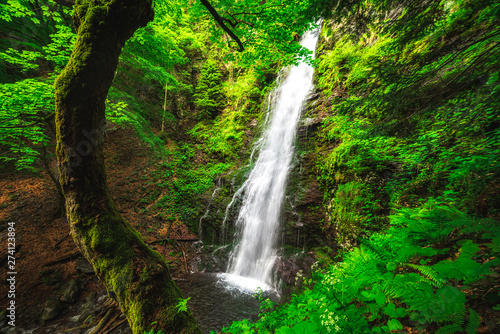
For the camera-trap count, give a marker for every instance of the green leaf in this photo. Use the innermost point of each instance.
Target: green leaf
(394, 325)
(380, 298)
(390, 310)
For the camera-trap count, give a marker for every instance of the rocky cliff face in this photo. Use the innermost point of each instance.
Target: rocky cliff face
(303, 209)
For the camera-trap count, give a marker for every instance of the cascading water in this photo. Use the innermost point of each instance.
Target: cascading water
(251, 262)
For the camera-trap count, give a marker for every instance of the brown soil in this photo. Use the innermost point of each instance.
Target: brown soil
(30, 202)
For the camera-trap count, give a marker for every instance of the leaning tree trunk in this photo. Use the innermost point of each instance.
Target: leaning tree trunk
(136, 276)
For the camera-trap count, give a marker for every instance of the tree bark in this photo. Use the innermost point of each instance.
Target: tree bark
(134, 275)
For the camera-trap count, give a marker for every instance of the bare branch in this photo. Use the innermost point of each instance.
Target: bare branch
(234, 24)
(221, 23)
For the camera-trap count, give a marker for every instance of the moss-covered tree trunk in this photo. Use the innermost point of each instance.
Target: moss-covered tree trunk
(136, 276)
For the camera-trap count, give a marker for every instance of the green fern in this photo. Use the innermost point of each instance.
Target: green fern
(449, 329)
(431, 274)
(373, 287)
(473, 323)
(458, 315)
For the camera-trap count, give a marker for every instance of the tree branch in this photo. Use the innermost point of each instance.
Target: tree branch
(221, 23)
(236, 21)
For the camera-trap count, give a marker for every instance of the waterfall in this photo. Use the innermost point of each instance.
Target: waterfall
(264, 190)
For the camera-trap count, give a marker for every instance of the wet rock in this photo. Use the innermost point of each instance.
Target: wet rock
(52, 308)
(307, 128)
(212, 259)
(102, 298)
(70, 292)
(83, 266)
(290, 269)
(313, 96)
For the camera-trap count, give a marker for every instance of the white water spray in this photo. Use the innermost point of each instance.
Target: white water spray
(264, 190)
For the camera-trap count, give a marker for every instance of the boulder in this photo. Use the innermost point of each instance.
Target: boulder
(83, 266)
(70, 292)
(52, 308)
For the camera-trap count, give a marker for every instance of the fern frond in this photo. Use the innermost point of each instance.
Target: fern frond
(395, 289)
(449, 329)
(473, 323)
(458, 313)
(381, 255)
(430, 273)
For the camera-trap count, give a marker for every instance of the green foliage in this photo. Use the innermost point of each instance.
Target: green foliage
(182, 305)
(352, 208)
(211, 148)
(209, 94)
(116, 112)
(152, 331)
(224, 137)
(38, 42)
(267, 29)
(414, 91)
(60, 48)
(123, 109)
(379, 287)
(26, 109)
(185, 181)
(40, 38)
(157, 55)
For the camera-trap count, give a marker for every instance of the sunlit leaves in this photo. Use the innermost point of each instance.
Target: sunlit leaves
(25, 60)
(60, 48)
(267, 29)
(39, 33)
(209, 95)
(25, 109)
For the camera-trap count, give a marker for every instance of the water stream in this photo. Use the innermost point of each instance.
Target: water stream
(261, 198)
(264, 190)
(216, 304)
